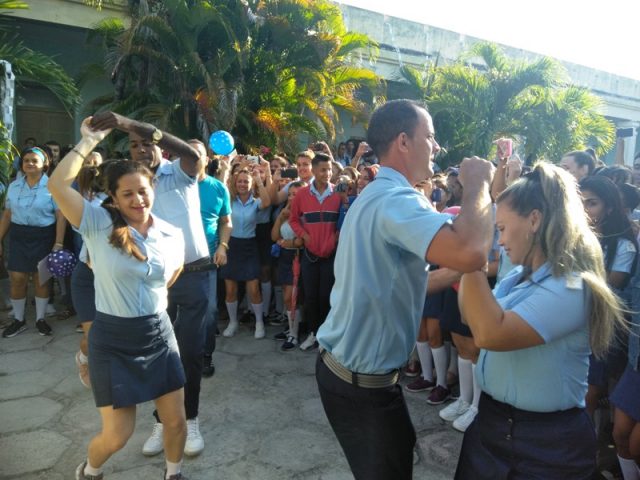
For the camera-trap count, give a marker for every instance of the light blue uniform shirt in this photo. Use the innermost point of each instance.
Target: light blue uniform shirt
(381, 276)
(321, 196)
(178, 202)
(32, 206)
(244, 217)
(551, 376)
(125, 286)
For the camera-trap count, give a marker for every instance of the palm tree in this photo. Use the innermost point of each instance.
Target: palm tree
(473, 102)
(34, 67)
(194, 67)
(298, 74)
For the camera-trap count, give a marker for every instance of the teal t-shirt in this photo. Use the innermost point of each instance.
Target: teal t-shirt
(214, 203)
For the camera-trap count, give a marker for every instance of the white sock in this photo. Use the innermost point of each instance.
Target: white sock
(266, 296)
(453, 360)
(82, 358)
(426, 362)
(257, 310)
(296, 323)
(465, 373)
(440, 359)
(89, 470)
(41, 307)
(629, 468)
(289, 322)
(476, 387)
(18, 308)
(173, 468)
(232, 309)
(279, 296)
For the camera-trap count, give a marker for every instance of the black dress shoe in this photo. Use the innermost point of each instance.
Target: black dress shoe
(208, 368)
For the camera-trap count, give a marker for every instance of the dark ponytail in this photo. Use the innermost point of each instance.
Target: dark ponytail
(121, 236)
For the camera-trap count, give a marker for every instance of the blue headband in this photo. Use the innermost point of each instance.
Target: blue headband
(38, 152)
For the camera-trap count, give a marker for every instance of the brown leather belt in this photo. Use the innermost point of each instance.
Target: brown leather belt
(359, 379)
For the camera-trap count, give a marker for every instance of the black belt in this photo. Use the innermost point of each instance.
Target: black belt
(201, 265)
(359, 379)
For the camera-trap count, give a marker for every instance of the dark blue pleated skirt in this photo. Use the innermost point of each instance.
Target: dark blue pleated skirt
(626, 395)
(28, 245)
(83, 292)
(133, 360)
(243, 261)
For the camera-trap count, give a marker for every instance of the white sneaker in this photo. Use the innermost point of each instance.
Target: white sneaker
(154, 444)
(195, 443)
(454, 410)
(50, 311)
(463, 421)
(231, 330)
(309, 342)
(259, 330)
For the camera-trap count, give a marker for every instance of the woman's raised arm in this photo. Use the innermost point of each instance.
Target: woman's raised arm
(69, 201)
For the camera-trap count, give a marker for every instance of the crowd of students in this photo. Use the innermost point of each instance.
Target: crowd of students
(157, 240)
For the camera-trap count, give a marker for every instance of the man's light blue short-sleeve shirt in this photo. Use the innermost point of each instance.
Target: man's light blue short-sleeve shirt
(32, 206)
(125, 286)
(177, 201)
(551, 376)
(381, 276)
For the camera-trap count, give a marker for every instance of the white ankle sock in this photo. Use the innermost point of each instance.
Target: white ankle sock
(266, 296)
(426, 362)
(173, 468)
(89, 470)
(296, 325)
(629, 468)
(41, 307)
(18, 305)
(82, 358)
(257, 310)
(440, 359)
(453, 360)
(465, 374)
(232, 308)
(476, 387)
(278, 294)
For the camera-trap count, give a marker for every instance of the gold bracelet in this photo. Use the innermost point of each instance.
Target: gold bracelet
(225, 245)
(81, 155)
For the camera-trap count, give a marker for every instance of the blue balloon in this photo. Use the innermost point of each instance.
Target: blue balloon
(221, 142)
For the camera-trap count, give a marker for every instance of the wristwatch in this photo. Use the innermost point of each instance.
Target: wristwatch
(156, 136)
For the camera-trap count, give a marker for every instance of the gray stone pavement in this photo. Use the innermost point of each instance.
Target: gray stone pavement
(260, 416)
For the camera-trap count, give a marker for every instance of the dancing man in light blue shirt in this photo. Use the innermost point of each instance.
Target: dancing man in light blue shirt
(386, 244)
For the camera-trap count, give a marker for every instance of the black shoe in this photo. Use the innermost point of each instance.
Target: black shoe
(208, 368)
(282, 335)
(277, 319)
(289, 344)
(43, 328)
(217, 332)
(14, 329)
(177, 476)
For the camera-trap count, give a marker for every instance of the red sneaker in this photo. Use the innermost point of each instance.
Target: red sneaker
(439, 395)
(412, 369)
(420, 385)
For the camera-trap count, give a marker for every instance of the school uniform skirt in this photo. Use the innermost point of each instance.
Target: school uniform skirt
(28, 245)
(284, 271)
(243, 262)
(626, 395)
(133, 360)
(83, 292)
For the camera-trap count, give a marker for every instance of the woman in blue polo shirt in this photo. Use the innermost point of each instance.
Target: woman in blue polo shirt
(35, 227)
(536, 335)
(243, 262)
(135, 256)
